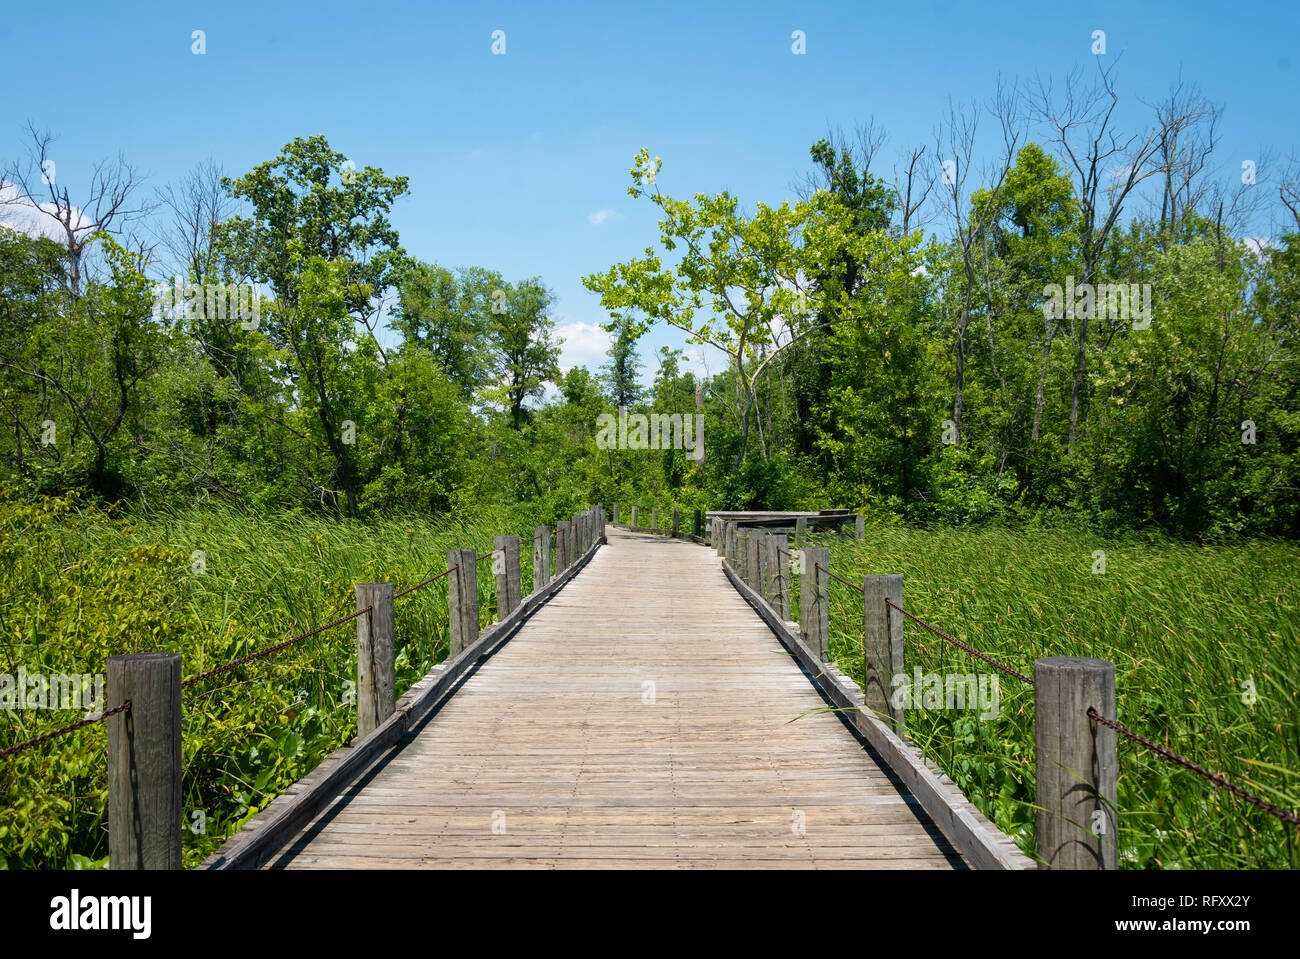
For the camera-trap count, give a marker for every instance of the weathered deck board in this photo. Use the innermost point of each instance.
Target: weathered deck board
(552, 742)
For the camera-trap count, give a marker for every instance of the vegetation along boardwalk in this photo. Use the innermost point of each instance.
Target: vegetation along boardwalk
(644, 717)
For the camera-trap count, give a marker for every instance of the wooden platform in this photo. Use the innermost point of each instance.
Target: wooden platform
(778, 521)
(644, 717)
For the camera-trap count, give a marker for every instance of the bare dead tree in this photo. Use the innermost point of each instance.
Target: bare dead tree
(955, 143)
(1186, 134)
(861, 147)
(108, 203)
(1236, 200)
(1107, 167)
(1005, 108)
(192, 209)
(913, 184)
(1289, 190)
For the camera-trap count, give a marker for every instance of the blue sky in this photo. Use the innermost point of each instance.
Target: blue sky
(519, 162)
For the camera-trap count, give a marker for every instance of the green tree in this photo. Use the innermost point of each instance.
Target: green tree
(524, 348)
(450, 315)
(319, 234)
(620, 373)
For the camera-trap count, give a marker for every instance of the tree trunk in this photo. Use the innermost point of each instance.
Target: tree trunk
(1050, 334)
(1081, 364)
(961, 375)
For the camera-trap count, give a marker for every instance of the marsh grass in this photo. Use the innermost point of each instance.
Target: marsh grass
(80, 585)
(1187, 628)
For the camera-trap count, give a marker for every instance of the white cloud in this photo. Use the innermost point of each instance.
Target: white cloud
(585, 344)
(702, 360)
(21, 213)
(598, 217)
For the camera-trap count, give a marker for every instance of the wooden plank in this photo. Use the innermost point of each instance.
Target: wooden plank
(609, 732)
(969, 830)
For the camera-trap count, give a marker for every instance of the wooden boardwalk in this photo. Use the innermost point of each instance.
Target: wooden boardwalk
(644, 717)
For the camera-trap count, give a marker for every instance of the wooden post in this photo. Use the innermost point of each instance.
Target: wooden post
(561, 546)
(376, 672)
(509, 588)
(144, 762)
(801, 529)
(731, 536)
(697, 524)
(883, 646)
(615, 514)
(1076, 772)
(753, 561)
(634, 526)
(814, 601)
(541, 557)
(860, 529)
(677, 521)
(575, 538)
(777, 576)
(654, 518)
(462, 600)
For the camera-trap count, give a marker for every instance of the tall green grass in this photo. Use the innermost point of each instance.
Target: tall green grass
(1185, 626)
(80, 585)
(1190, 629)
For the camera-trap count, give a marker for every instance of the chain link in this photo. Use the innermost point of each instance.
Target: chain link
(80, 724)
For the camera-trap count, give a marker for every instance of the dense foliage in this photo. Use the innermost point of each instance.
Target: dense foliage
(932, 379)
